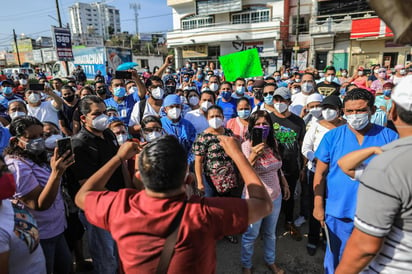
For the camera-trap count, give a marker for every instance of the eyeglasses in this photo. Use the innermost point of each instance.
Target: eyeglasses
(267, 93)
(151, 129)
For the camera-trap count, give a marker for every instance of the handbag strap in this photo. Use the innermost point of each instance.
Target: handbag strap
(170, 243)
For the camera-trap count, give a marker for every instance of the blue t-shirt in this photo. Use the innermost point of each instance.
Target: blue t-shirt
(229, 109)
(125, 108)
(4, 138)
(341, 190)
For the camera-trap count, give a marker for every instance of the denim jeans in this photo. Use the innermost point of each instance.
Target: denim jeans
(268, 225)
(57, 254)
(102, 248)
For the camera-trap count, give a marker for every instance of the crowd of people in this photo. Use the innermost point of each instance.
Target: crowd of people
(164, 164)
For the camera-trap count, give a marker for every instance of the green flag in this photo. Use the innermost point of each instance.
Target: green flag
(241, 64)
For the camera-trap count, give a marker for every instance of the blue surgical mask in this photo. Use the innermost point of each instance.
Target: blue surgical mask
(250, 88)
(268, 99)
(240, 90)
(226, 95)
(186, 79)
(7, 90)
(243, 114)
(119, 91)
(387, 92)
(200, 77)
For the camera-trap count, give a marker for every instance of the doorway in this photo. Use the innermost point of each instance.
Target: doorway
(390, 59)
(321, 58)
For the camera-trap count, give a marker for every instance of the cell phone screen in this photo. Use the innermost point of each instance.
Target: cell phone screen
(64, 145)
(121, 74)
(257, 136)
(36, 86)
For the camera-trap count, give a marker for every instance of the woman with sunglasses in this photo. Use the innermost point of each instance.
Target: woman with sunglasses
(38, 188)
(265, 159)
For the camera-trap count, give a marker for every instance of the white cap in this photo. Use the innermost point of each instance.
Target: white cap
(314, 97)
(402, 93)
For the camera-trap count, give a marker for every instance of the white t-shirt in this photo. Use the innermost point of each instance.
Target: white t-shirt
(198, 120)
(45, 112)
(20, 259)
(298, 102)
(311, 142)
(135, 116)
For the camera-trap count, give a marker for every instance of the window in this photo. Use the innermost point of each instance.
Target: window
(195, 22)
(303, 24)
(252, 16)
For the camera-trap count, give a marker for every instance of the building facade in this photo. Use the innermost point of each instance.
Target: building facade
(94, 19)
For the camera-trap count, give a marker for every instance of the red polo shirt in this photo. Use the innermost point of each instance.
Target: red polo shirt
(139, 223)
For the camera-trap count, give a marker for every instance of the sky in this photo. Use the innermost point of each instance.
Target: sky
(34, 18)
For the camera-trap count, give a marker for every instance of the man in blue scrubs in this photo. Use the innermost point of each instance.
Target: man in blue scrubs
(341, 191)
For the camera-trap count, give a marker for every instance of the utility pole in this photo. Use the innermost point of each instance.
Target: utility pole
(296, 47)
(17, 48)
(66, 64)
(136, 8)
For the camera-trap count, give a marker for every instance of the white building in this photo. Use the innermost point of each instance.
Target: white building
(203, 30)
(94, 19)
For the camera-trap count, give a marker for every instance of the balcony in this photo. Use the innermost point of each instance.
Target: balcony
(336, 23)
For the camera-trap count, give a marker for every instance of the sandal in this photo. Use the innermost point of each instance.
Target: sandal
(275, 269)
(232, 239)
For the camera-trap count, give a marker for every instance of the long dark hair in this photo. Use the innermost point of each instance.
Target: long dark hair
(270, 141)
(18, 128)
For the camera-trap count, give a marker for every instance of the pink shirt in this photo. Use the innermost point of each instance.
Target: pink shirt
(238, 128)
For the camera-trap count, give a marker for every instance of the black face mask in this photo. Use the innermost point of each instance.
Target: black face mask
(101, 91)
(69, 98)
(170, 90)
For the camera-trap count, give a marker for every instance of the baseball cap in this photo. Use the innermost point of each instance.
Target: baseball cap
(315, 97)
(8, 81)
(283, 92)
(397, 67)
(402, 93)
(172, 99)
(332, 100)
(259, 83)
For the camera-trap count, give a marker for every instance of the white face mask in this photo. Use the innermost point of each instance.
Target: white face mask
(158, 93)
(122, 138)
(194, 100)
(132, 90)
(240, 90)
(402, 72)
(23, 82)
(150, 137)
(329, 114)
(215, 122)
(101, 122)
(280, 107)
(316, 112)
(174, 113)
(321, 74)
(330, 78)
(360, 73)
(376, 70)
(295, 90)
(344, 74)
(307, 87)
(205, 105)
(51, 141)
(214, 87)
(358, 121)
(16, 114)
(34, 98)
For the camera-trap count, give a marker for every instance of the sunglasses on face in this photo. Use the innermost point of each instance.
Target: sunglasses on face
(267, 93)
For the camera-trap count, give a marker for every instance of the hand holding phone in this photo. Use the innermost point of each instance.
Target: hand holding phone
(64, 145)
(122, 74)
(257, 136)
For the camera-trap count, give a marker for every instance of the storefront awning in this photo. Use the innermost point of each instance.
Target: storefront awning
(369, 27)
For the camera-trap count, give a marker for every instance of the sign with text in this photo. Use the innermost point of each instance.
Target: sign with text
(195, 51)
(241, 64)
(63, 43)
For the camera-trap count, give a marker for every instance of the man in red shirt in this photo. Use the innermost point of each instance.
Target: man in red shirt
(140, 221)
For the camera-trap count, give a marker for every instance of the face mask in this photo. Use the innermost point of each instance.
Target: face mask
(265, 131)
(200, 77)
(101, 91)
(122, 138)
(7, 90)
(215, 122)
(277, 78)
(7, 186)
(16, 114)
(387, 92)
(185, 79)
(343, 91)
(358, 121)
(101, 122)
(194, 100)
(344, 74)
(174, 113)
(243, 114)
(285, 75)
(69, 99)
(158, 93)
(170, 89)
(329, 114)
(207, 77)
(280, 107)
(382, 74)
(23, 82)
(205, 105)
(295, 90)
(119, 92)
(316, 112)
(330, 78)
(51, 141)
(214, 87)
(34, 98)
(133, 89)
(240, 90)
(402, 72)
(321, 74)
(376, 71)
(226, 95)
(150, 137)
(307, 87)
(35, 146)
(297, 80)
(250, 88)
(268, 99)
(360, 73)
(188, 66)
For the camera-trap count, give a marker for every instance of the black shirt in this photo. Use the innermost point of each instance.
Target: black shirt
(91, 153)
(289, 133)
(66, 115)
(328, 89)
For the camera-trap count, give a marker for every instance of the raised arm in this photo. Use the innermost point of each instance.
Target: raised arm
(57, 101)
(351, 161)
(141, 88)
(168, 62)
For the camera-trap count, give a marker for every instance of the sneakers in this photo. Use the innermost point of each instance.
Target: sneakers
(300, 221)
(293, 231)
